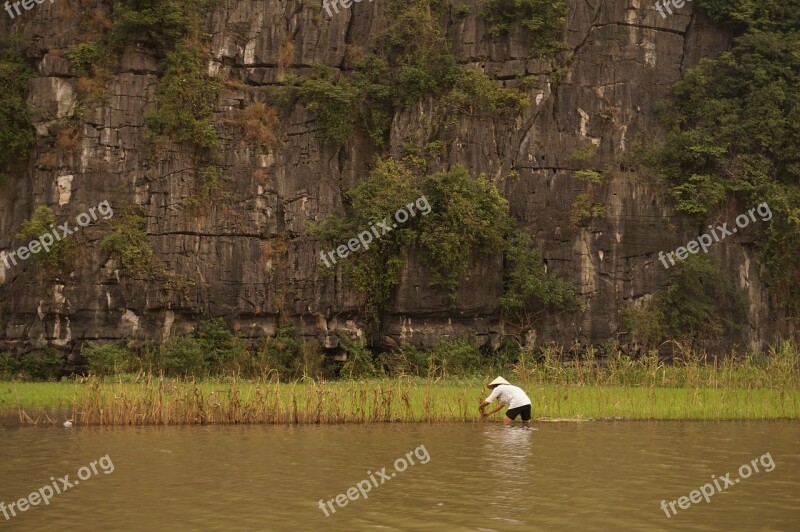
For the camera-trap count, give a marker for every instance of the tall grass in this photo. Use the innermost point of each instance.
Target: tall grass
(692, 387)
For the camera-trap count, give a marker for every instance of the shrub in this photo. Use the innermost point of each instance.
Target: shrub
(583, 210)
(474, 93)
(359, 363)
(589, 176)
(468, 218)
(545, 18)
(185, 355)
(375, 272)
(61, 255)
(408, 360)
(223, 350)
(129, 241)
(701, 304)
(332, 99)
(159, 24)
(91, 61)
(460, 356)
(184, 103)
(345, 104)
(17, 136)
(84, 56)
(8, 366)
(42, 366)
(528, 284)
(260, 123)
(278, 353)
(107, 359)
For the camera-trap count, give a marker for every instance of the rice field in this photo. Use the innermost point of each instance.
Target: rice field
(761, 388)
(159, 401)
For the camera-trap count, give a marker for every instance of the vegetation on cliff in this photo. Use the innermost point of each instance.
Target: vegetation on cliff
(17, 137)
(733, 128)
(544, 18)
(700, 306)
(185, 101)
(61, 255)
(468, 220)
(159, 24)
(409, 60)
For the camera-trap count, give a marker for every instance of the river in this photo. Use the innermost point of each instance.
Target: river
(482, 477)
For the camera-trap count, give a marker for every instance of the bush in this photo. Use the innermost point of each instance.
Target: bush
(128, 240)
(529, 285)
(185, 355)
(408, 360)
(8, 366)
(468, 218)
(545, 18)
(42, 366)
(359, 363)
(17, 136)
(83, 56)
(159, 24)
(185, 101)
(583, 210)
(260, 123)
(61, 255)
(460, 356)
(223, 350)
(700, 305)
(107, 359)
(279, 353)
(345, 104)
(333, 100)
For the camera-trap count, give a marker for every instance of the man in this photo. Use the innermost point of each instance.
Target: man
(507, 395)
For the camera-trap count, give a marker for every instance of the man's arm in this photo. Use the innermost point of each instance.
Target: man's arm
(499, 408)
(484, 404)
(488, 400)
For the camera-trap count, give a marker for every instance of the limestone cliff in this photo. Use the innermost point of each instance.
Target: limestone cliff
(249, 253)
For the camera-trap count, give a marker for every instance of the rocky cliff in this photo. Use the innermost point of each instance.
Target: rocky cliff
(248, 253)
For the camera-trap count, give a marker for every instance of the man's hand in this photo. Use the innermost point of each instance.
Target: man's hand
(484, 417)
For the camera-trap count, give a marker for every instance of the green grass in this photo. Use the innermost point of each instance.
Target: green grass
(755, 387)
(170, 401)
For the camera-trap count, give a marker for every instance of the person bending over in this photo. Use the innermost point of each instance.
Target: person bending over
(519, 404)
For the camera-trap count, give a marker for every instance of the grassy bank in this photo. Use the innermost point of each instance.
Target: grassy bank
(754, 387)
(159, 401)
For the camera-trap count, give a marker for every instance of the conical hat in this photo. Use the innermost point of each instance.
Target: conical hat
(498, 380)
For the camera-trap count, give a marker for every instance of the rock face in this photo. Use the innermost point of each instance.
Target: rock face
(250, 254)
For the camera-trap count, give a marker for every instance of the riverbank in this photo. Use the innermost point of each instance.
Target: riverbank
(161, 401)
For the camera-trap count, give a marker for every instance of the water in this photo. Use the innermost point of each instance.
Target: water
(562, 476)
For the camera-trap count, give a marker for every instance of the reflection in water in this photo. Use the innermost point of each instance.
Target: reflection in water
(598, 475)
(509, 454)
(509, 449)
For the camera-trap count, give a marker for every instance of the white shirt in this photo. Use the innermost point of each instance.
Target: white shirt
(510, 395)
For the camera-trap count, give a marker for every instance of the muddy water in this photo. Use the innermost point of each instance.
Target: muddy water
(594, 475)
